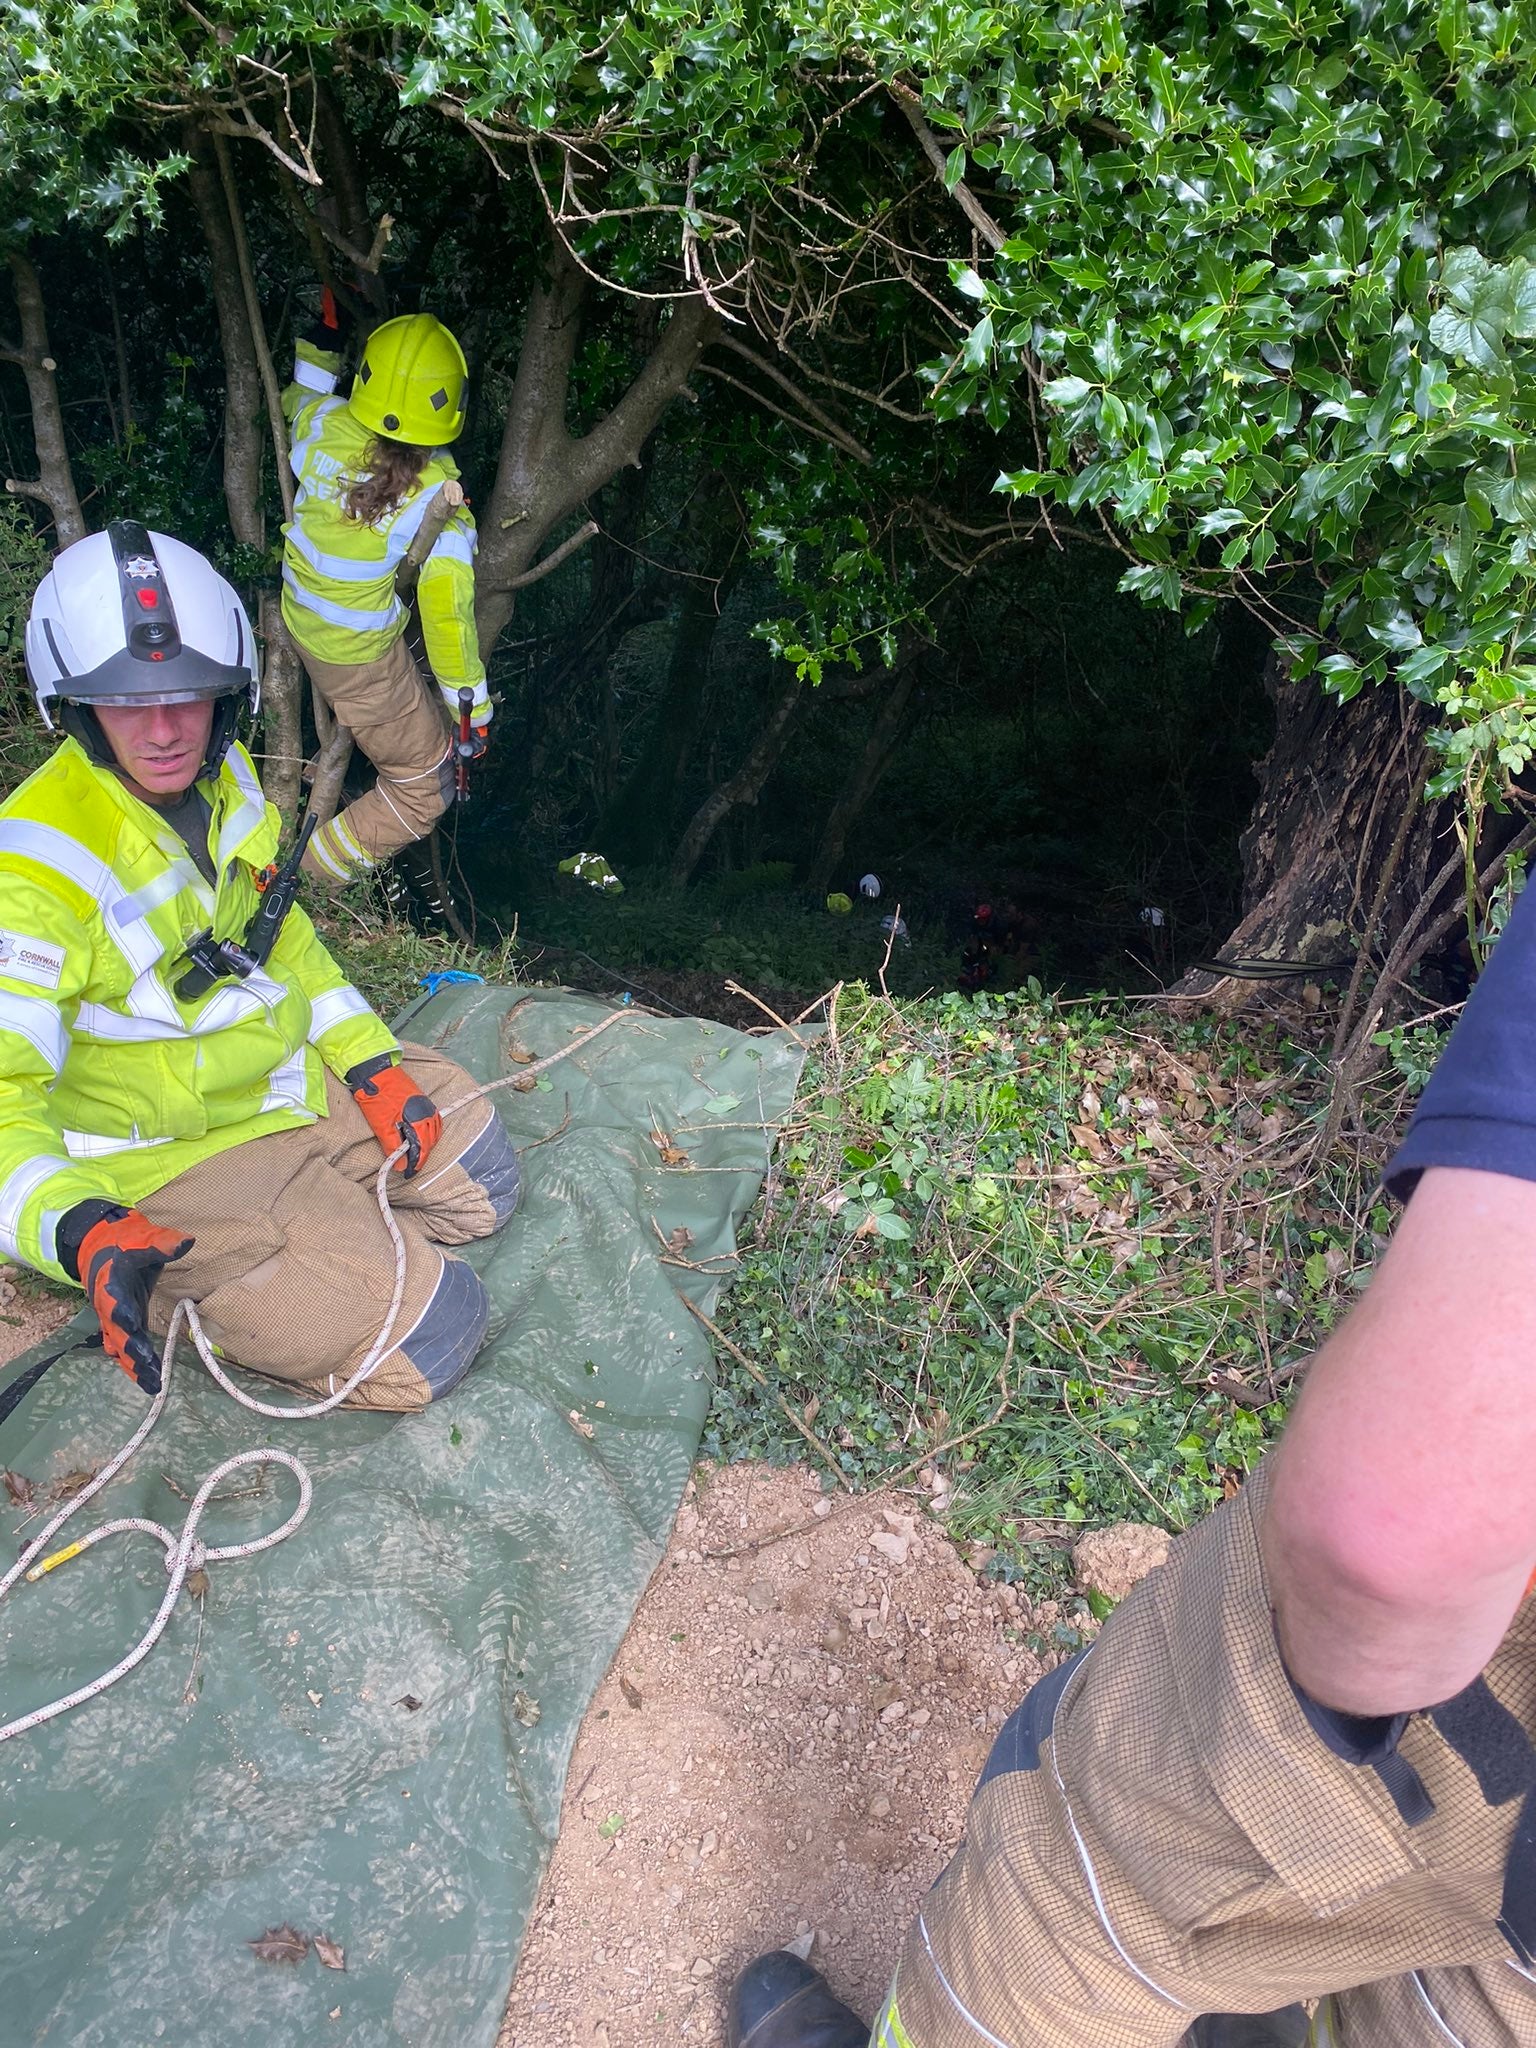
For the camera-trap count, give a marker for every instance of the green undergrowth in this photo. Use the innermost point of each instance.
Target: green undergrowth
(1141, 1201)
(1056, 1261)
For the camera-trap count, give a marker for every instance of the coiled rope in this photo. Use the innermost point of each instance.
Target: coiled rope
(185, 1552)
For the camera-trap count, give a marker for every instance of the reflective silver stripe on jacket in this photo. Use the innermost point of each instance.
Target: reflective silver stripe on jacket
(453, 546)
(340, 568)
(246, 816)
(288, 1085)
(310, 377)
(351, 617)
(16, 1193)
(333, 1008)
(36, 1020)
(301, 447)
(92, 1145)
(53, 849)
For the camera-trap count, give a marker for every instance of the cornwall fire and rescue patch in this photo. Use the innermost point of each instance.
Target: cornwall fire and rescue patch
(34, 960)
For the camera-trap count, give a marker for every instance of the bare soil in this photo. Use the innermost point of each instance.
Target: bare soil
(785, 1745)
(30, 1310)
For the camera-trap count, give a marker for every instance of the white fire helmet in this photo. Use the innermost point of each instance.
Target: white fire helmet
(130, 617)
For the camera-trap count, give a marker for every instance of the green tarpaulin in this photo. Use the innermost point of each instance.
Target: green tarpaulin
(269, 1763)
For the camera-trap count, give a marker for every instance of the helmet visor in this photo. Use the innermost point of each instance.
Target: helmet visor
(186, 677)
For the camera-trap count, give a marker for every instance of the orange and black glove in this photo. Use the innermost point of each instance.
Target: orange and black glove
(397, 1111)
(117, 1255)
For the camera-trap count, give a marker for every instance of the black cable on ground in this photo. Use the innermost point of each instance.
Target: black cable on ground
(23, 1383)
(1268, 970)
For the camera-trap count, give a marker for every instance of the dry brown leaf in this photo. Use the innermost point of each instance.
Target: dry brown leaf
(280, 1945)
(520, 1056)
(811, 1410)
(409, 1701)
(632, 1693)
(330, 1953)
(1090, 1140)
(580, 1424)
(196, 1583)
(23, 1491)
(526, 1710)
(679, 1241)
(674, 1155)
(523, 1086)
(71, 1484)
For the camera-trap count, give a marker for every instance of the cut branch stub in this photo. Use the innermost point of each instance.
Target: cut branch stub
(447, 499)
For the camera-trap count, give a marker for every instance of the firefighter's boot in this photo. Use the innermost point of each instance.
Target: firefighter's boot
(780, 2002)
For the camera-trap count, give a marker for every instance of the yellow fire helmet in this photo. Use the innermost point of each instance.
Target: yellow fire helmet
(410, 383)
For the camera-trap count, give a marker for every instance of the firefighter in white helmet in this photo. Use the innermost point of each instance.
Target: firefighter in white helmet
(188, 1108)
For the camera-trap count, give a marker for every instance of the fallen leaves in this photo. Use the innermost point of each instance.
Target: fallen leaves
(22, 1491)
(288, 1945)
(633, 1697)
(280, 1945)
(668, 1153)
(580, 1424)
(526, 1710)
(409, 1701)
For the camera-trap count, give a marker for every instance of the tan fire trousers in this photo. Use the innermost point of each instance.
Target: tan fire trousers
(293, 1267)
(398, 720)
(1161, 1833)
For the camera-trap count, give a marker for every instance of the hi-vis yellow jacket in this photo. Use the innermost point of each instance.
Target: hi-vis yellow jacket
(339, 575)
(110, 1085)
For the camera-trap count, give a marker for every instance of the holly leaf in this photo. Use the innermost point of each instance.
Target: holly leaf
(280, 1945)
(1484, 306)
(330, 1953)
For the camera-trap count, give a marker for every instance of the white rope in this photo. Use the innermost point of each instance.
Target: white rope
(184, 1552)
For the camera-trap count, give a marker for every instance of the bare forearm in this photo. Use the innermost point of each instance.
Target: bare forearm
(1401, 1530)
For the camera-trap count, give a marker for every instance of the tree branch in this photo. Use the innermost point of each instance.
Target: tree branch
(269, 382)
(555, 557)
(833, 427)
(911, 105)
(54, 485)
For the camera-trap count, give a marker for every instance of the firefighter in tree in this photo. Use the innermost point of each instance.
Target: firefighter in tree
(368, 467)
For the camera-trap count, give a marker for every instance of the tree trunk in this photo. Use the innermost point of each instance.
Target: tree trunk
(744, 787)
(55, 482)
(342, 205)
(545, 472)
(244, 422)
(1341, 844)
(281, 755)
(862, 783)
